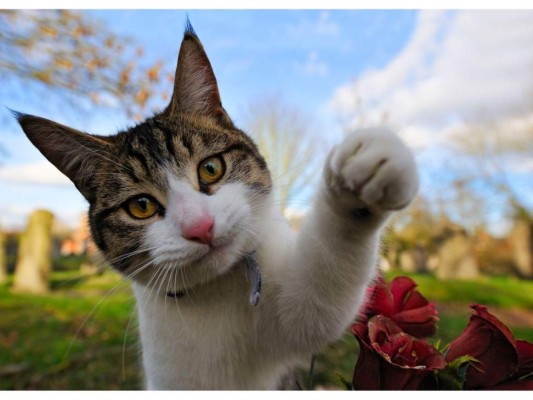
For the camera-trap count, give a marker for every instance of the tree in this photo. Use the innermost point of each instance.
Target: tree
(495, 149)
(500, 150)
(78, 56)
(356, 112)
(34, 259)
(287, 140)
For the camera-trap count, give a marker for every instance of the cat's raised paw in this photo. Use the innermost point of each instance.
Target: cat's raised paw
(372, 168)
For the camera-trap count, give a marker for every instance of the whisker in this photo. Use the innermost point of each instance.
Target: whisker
(124, 342)
(177, 303)
(95, 308)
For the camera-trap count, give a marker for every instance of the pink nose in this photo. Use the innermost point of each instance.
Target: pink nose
(200, 230)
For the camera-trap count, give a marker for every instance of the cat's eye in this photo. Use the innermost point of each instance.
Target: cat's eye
(211, 169)
(142, 207)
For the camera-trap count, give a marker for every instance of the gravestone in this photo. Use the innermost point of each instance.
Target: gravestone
(456, 258)
(407, 261)
(521, 241)
(414, 260)
(34, 258)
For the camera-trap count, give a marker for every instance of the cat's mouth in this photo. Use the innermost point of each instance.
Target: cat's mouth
(195, 253)
(215, 249)
(189, 264)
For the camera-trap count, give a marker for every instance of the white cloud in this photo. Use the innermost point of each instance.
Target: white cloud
(15, 217)
(313, 65)
(464, 65)
(508, 142)
(325, 25)
(419, 137)
(521, 166)
(41, 172)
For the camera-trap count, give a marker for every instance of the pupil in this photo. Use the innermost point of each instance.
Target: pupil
(210, 168)
(143, 204)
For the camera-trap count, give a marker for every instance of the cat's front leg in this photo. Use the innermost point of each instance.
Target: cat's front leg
(366, 177)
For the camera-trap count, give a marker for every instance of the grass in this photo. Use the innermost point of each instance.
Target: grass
(70, 339)
(80, 336)
(502, 291)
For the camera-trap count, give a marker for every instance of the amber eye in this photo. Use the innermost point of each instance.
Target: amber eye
(211, 169)
(142, 207)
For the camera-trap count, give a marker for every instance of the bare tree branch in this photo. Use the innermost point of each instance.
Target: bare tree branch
(287, 140)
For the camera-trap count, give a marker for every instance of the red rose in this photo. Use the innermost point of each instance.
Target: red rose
(520, 380)
(525, 357)
(390, 359)
(503, 362)
(403, 304)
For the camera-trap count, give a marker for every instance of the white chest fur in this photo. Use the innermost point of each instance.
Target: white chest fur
(211, 338)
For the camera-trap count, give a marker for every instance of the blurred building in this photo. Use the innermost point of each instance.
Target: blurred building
(80, 241)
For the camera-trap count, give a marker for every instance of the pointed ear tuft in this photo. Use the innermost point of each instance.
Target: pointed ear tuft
(76, 154)
(18, 115)
(195, 84)
(189, 30)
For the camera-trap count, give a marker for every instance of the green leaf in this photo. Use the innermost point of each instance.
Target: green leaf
(437, 343)
(459, 361)
(454, 375)
(346, 383)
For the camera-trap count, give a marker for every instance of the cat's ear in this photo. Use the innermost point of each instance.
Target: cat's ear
(76, 154)
(195, 85)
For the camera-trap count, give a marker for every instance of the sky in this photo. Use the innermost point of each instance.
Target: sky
(429, 72)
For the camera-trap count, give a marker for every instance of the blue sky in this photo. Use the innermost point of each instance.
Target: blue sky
(302, 55)
(429, 72)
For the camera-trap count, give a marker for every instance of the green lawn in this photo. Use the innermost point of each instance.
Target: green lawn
(74, 338)
(84, 336)
(499, 291)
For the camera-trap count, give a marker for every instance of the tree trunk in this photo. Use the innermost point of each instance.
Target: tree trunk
(34, 258)
(3, 261)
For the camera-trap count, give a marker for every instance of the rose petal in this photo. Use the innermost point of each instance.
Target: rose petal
(429, 356)
(492, 344)
(390, 359)
(484, 313)
(403, 304)
(367, 368)
(394, 377)
(419, 322)
(414, 300)
(524, 384)
(378, 301)
(402, 349)
(381, 325)
(400, 287)
(525, 357)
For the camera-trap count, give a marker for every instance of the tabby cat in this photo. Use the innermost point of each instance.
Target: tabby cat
(182, 204)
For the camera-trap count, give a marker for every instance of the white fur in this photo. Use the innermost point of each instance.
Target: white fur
(313, 282)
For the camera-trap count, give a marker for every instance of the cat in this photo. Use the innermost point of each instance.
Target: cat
(182, 204)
